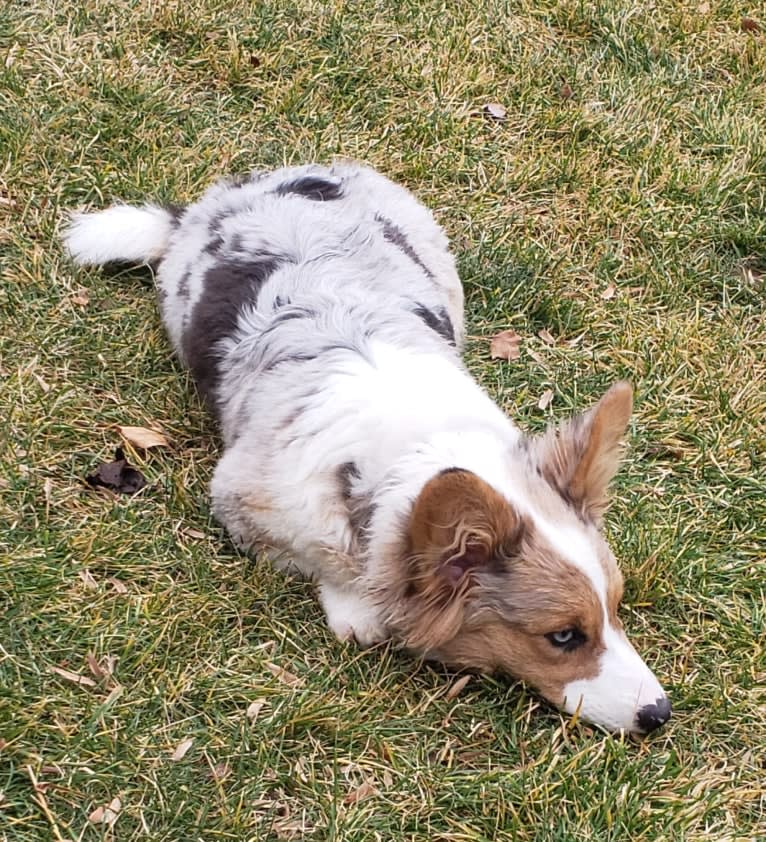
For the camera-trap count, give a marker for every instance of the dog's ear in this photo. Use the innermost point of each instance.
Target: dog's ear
(460, 527)
(581, 456)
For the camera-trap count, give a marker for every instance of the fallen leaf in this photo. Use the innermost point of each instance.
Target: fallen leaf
(117, 476)
(505, 346)
(107, 815)
(535, 356)
(143, 437)
(95, 667)
(565, 91)
(545, 399)
(220, 771)
(80, 297)
(703, 8)
(190, 532)
(749, 25)
(119, 587)
(283, 675)
(254, 60)
(388, 780)
(74, 677)
(609, 292)
(546, 336)
(254, 708)
(360, 793)
(457, 687)
(181, 749)
(495, 110)
(87, 578)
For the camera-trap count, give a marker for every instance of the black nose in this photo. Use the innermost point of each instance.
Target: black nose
(651, 717)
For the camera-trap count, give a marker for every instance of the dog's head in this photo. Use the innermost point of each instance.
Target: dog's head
(523, 581)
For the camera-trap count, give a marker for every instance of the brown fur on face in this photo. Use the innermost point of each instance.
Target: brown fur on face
(481, 587)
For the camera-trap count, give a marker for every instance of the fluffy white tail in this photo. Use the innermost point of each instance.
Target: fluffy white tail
(121, 233)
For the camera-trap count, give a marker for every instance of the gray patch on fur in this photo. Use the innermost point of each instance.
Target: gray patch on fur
(394, 235)
(229, 286)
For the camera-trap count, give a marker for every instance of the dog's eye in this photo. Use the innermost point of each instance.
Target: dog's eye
(566, 638)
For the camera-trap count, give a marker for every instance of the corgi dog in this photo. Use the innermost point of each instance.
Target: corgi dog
(321, 314)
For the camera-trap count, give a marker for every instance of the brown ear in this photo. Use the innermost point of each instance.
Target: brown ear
(581, 457)
(458, 527)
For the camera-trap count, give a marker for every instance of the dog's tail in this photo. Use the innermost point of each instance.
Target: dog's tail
(120, 234)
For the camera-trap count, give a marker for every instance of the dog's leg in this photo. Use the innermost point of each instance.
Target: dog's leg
(351, 615)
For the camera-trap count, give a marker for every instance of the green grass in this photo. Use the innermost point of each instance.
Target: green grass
(633, 154)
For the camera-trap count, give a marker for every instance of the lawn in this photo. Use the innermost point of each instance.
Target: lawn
(618, 208)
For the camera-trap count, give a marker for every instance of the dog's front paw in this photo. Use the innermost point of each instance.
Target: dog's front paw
(351, 617)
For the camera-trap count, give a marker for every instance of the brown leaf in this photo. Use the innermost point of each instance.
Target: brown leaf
(457, 687)
(95, 667)
(254, 708)
(117, 476)
(609, 292)
(546, 336)
(283, 675)
(142, 437)
(254, 60)
(495, 111)
(74, 677)
(565, 91)
(545, 399)
(535, 356)
(220, 771)
(108, 814)
(190, 532)
(505, 346)
(360, 793)
(87, 578)
(181, 749)
(119, 587)
(749, 25)
(80, 297)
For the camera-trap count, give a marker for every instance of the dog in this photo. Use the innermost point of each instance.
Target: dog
(321, 314)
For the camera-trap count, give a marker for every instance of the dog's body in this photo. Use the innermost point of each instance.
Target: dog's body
(320, 312)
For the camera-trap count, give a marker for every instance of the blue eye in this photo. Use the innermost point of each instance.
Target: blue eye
(566, 638)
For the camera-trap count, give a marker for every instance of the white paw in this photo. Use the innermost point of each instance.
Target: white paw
(351, 616)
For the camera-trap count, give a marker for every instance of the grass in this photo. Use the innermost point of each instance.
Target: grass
(619, 206)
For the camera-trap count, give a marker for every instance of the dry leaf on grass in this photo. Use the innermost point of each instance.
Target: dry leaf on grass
(254, 708)
(546, 336)
(283, 675)
(95, 667)
(565, 91)
(545, 399)
(117, 476)
(609, 292)
(457, 687)
(190, 532)
(142, 437)
(108, 814)
(505, 346)
(749, 25)
(220, 771)
(119, 587)
(360, 793)
(181, 749)
(74, 677)
(80, 297)
(87, 579)
(495, 111)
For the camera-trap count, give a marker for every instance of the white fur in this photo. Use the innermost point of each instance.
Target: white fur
(120, 233)
(329, 365)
